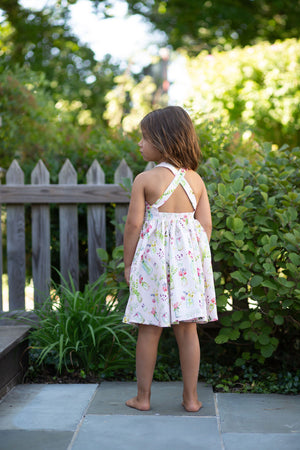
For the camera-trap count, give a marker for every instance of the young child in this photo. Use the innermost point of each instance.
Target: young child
(166, 251)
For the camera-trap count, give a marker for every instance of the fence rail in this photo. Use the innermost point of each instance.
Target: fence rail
(67, 194)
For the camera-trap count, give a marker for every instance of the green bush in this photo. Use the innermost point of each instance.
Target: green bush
(83, 330)
(256, 249)
(252, 379)
(257, 86)
(32, 127)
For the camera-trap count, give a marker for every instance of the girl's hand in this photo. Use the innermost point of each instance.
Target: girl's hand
(127, 274)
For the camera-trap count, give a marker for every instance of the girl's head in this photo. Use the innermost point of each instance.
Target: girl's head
(171, 131)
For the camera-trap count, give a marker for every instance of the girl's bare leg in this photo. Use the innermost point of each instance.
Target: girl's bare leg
(189, 352)
(146, 353)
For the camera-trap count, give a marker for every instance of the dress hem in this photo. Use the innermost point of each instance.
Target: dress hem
(197, 321)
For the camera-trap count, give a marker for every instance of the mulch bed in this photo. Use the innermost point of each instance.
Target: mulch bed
(48, 376)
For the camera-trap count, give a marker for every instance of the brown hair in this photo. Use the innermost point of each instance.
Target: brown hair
(171, 131)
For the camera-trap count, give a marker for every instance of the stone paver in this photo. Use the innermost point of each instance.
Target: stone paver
(166, 399)
(261, 441)
(92, 417)
(249, 413)
(35, 440)
(45, 407)
(148, 433)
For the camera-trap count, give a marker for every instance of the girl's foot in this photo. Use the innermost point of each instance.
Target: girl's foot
(192, 406)
(141, 405)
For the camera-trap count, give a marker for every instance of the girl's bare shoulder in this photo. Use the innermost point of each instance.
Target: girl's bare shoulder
(194, 176)
(195, 181)
(152, 175)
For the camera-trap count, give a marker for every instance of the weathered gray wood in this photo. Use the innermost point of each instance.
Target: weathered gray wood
(1, 264)
(61, 194)
(68, 228)
(150, 165)
(96, 220)
(16, 243)
(2, 171)
(40, 228)
(123, 171)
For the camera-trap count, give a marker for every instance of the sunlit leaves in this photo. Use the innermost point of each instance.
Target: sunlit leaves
(257, 87)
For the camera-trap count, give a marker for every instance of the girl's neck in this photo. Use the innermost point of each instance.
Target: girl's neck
(160, 161)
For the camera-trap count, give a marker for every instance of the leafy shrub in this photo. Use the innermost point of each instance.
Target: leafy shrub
(249, 378)
(114, 275)
(83, 330)
(257, 86)
(256, 247)
(32, 127)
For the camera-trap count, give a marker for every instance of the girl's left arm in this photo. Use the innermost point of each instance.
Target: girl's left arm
(134, 222)
(202, 213)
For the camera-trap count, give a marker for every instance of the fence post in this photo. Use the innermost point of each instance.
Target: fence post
(123, 171)
(96, 221)
(41, 271)
(68, 229)
(150, 165)
(2, 172)
(15, 243)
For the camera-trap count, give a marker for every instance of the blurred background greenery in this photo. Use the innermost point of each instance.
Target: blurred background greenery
(241, 62)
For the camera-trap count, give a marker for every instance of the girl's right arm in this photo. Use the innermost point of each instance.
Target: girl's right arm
(134, 222)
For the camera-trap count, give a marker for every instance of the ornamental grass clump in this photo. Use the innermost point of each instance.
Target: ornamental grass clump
(82, 330)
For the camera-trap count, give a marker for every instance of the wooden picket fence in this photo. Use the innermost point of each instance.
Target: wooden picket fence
(67, 194)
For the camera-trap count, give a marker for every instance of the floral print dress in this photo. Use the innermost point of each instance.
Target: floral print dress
(171, 278)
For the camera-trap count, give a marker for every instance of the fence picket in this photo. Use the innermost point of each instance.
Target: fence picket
(16, 243)
(123, 171)
(96, 220)
(67, 194)
(68, 229)
(150, 165)
(41, 271)
(2, 171)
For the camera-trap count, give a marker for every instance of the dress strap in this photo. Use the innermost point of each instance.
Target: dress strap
(168, 166)
(186, 186)
(178, 179)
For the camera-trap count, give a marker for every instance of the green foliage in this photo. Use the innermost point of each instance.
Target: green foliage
(129, 101)
(249, 378)
(256, 87)
(83, 330)
(256, 246)
(199, 24)
(32, 127)
(43, 41)
(114, 274)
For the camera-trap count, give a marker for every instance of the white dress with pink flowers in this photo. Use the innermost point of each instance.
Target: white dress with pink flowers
(171, 277)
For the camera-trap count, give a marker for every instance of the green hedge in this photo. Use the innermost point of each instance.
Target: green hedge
(256, 248)
(258, 86)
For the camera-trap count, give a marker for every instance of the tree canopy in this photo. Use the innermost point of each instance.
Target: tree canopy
(42, 40)
(198, 24)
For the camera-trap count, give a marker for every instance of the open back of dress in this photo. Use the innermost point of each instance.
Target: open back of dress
(171, 277)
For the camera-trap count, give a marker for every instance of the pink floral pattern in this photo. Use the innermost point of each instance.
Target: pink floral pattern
(171, 277)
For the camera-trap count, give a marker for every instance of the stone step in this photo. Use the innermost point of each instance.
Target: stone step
(13, 356)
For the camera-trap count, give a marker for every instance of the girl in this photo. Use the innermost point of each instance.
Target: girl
(166, 251)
